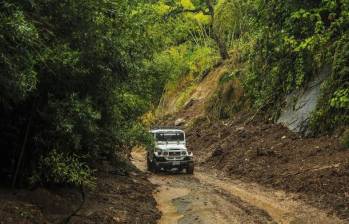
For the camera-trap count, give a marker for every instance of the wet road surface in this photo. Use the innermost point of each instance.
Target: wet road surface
(209, 198)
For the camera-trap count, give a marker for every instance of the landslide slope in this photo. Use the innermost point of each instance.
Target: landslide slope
(255, 149)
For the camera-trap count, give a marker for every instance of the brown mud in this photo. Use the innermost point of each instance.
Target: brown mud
(120, 197)
(209, 197)
(315, 169)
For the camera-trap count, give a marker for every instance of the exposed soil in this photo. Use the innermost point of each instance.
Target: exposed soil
(198, 97)
(317, 169)
(120, 197)
(208, 197)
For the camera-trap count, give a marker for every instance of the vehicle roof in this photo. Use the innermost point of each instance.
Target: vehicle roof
(165, 129)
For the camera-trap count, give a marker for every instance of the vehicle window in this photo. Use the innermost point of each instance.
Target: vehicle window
(179, 136)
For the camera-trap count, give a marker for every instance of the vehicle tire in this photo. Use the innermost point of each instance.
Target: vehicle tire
(155, 169)
(190, 169)
(149, 165)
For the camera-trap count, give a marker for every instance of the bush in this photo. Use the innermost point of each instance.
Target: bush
(61, 168)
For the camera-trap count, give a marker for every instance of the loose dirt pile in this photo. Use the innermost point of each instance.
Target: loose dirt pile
(316, 168)
(120, 197)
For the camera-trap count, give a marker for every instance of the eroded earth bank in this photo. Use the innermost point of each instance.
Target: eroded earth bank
(121, 196)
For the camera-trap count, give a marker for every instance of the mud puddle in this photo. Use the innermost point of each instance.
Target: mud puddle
(165, 195)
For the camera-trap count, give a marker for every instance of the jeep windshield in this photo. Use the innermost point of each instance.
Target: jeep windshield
(169, 137)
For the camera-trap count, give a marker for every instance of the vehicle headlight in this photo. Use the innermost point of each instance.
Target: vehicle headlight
(165, 153)
(184, 153)
(158, 152)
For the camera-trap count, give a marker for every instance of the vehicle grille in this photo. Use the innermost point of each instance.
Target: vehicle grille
(174, 158)
(174, 153)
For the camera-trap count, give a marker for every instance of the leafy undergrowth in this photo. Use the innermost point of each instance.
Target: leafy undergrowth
(316, 168)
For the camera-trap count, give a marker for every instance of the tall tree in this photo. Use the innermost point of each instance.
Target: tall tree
(207, 7)
(216, 37)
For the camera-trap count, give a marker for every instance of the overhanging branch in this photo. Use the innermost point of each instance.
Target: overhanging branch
(181, 10)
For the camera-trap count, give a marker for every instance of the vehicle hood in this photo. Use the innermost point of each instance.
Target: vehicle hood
(172, 147)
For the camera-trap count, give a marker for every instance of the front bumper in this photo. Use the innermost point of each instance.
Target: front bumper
(182, 164)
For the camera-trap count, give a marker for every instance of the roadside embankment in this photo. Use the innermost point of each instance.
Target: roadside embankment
(121, 196)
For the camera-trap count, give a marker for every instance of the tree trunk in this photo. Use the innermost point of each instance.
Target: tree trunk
(221, 46)
(26, 134)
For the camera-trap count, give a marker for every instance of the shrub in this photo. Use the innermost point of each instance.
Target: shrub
(61, 168)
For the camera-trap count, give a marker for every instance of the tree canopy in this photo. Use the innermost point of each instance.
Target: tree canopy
(72, 80)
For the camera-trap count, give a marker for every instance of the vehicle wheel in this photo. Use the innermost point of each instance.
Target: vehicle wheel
(149, 165)
(180, 170)
(190, 169)
(155, 169)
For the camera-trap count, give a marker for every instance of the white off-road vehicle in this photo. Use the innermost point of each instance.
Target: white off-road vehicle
(170, 151)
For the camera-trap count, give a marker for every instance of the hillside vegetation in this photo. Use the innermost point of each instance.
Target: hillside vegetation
(274, 48)
(78, 76)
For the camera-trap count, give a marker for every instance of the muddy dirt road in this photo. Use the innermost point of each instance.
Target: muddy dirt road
(208, 197)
